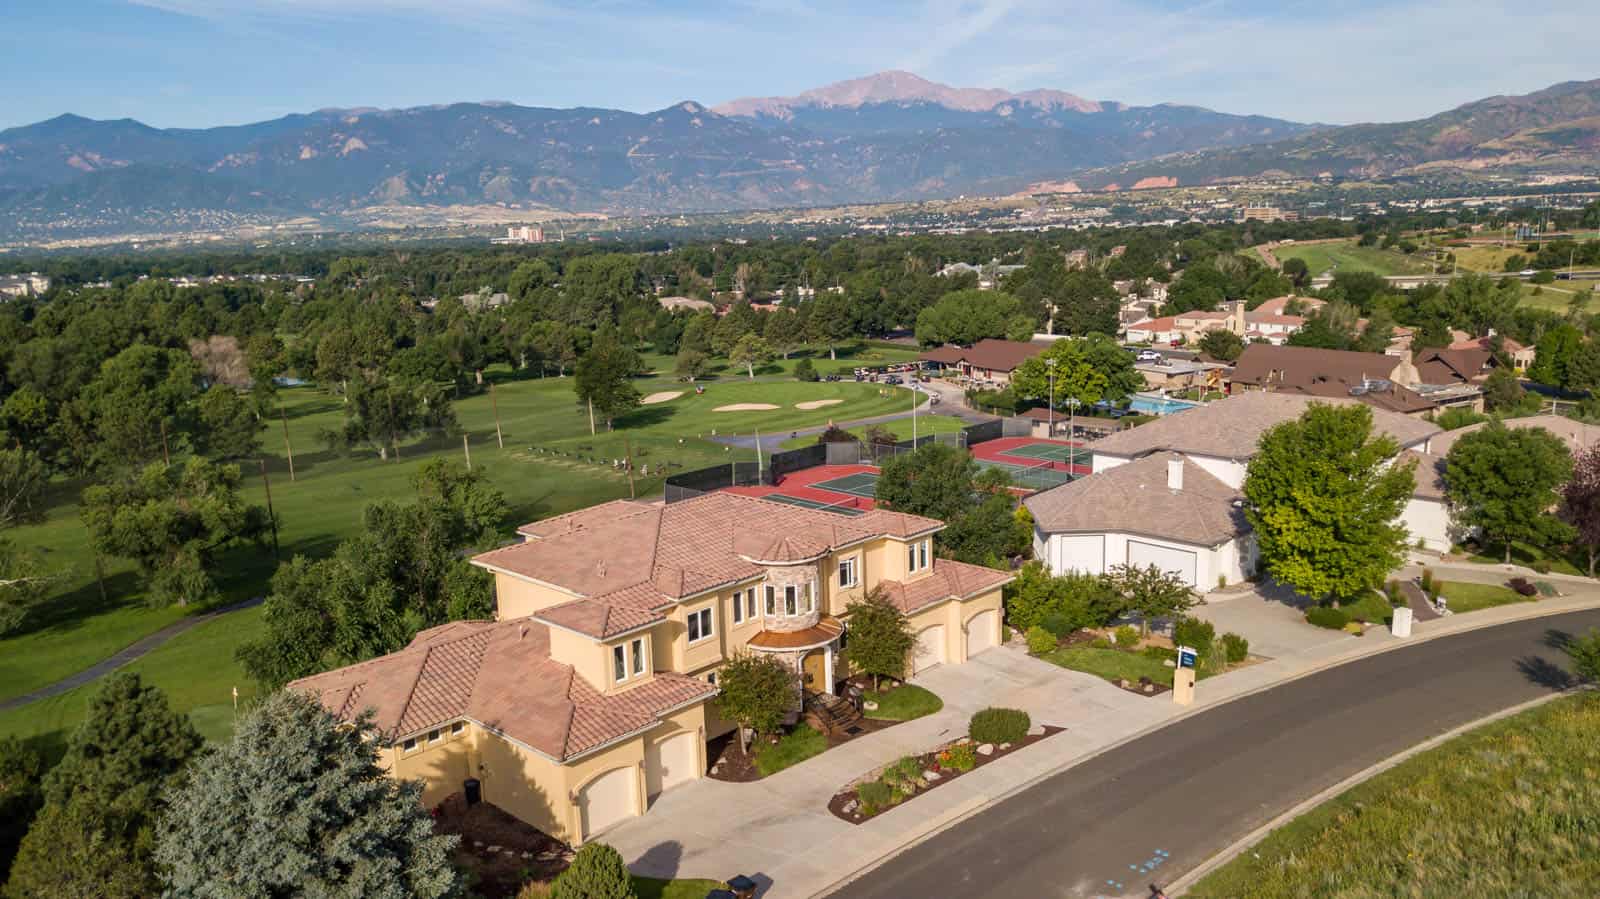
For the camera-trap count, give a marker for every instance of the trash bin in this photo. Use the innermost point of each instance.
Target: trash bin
(742, 887)
(473, 791)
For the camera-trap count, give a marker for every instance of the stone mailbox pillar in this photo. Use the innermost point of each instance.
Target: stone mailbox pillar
(1401, 625)
(1183, 686)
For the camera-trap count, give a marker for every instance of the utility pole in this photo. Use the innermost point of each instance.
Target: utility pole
(288, 448)
(272, 518)
(627, 461)
(495, 405)
(1051, 415)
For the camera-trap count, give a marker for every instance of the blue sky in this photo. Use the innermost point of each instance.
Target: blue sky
(193, 63)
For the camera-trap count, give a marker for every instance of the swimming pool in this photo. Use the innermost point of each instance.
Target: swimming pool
(1155, 404)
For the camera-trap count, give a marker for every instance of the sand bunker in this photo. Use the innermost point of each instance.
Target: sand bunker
(746, 407)
(817, 404)
(662, 397)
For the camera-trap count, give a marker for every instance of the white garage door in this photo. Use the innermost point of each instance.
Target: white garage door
(981, 632)
(669, 762)
(930, 649)
(606, 800)
(1174, 561)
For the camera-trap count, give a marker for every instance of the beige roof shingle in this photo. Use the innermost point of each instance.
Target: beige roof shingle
(1134, 498)
(949, 580)
(1231, 428)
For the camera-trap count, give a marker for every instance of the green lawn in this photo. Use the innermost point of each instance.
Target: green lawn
(1521, 554)
(904, 702)
(654, 888)
(900, 428)
(324, 504)
(1465, 597)
(1507, 810)
(1373, 608)
(1347, 257)
(793, 748)
(1111, 664)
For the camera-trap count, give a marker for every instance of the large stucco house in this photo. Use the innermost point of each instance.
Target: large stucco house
(1168, 493)
(591, 691)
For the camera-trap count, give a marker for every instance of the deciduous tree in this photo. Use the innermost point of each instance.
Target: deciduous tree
(751, 350)
(1580, 502)
(1503, 482)
(1151, 593)
(604, 376)
(756, 691)
(880, 638)
(1323, 500)
(296, 803)
(1222, 345)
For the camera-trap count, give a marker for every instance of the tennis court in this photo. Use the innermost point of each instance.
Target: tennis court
(864, 484)
(843, 507)
(1038, 476)
(1054, 452)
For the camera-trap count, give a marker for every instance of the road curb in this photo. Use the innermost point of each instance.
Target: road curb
(1182, 885)
(1418, 638)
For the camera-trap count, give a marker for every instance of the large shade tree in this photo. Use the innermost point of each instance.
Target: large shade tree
(1580, 502)
(1323, 496)
(1502, 482)
(297, 804)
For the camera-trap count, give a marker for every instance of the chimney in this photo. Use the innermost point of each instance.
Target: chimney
(1175, 474)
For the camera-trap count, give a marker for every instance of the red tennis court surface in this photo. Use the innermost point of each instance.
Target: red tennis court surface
(809, 488)
(1020, 453)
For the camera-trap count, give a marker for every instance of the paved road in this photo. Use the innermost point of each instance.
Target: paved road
(128, 654)
(1161, 805)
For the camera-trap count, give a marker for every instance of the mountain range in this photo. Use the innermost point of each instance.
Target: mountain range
(890, 136)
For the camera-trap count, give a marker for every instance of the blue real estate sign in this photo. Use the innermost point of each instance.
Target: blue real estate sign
(1186, 657)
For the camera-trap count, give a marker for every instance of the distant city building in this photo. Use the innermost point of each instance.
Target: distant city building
(521, 234)
(1267, 214)
(28, 285)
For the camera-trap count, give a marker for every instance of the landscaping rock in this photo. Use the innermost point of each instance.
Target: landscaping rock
(1036, 731)
(986, 749)
(1149, 688)
(851, 806)
(1169, 663)
(527, 854)
(1004, 746)
(1123, 683)
(492, 849)
(930, 776)
(870, 706)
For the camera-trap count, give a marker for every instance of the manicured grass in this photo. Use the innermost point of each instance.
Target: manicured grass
(324, 504)
(1507, 810)
(1521, 554)
(900, 428)
(654, 888)
(1464, 597)
(904, 702)
(1347, 257)
(851, 356)
(1111, 664)
(793, 748)
(1373, 608)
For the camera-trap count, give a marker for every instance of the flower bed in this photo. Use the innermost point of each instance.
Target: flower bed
(914, 775)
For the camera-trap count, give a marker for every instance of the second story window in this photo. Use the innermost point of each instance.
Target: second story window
(849, 576)
(637, 648)
(738, 606)
(811, 596)
(772, 600)
(619, 663)
(916, 556)
(699, 624)
(789, 600)
(750, 603)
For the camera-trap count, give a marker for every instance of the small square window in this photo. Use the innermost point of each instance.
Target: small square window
(435, 736)
(457, 728)
(712, 678)
(847, 572)
(699, 625)
(409, 745)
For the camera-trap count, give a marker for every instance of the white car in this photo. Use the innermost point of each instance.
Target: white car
(1527, 273)
(1149, 356)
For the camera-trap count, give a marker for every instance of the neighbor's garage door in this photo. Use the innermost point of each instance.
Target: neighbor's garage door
(981, 632)
(1181, 562)
(606, 800)
(930, 649)
(669, 762)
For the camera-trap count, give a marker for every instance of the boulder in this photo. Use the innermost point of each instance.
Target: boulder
(1170, 663)
(1036, 731)
(1149, 688)
(986, 749)
(850, 806)
(1123, 683)
(869, 706)
(930, 776)
(1004, 746)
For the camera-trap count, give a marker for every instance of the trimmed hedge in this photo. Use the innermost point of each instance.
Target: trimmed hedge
(1328, 617)
(999, 726)
(1040, 641)
(1127, 636)
(1236, 647)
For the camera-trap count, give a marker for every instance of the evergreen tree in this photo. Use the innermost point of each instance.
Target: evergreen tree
(296, 803)
(597, 872)
(21, 795)
(95, 836)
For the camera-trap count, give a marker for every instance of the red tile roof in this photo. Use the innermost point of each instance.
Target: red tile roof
(995, 355)
(500, 675)
(949, 580)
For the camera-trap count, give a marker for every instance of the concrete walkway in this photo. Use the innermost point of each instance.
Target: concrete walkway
(128, 654)
(779, 830)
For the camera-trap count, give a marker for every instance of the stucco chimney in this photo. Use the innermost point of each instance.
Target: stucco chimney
(1174, 474)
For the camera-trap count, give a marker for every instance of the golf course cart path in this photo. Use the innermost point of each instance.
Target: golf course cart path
(1158, 806)
(128, 654)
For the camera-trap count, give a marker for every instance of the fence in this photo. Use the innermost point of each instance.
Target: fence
(690, 484)
(794, 460)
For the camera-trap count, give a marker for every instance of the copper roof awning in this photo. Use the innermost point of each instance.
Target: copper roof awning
(820, 634)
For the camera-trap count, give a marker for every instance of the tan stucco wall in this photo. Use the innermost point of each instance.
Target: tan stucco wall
(954, 615)
(589, 658)
(707, 651)
(517, 598)
(442, 767)
(527, 785)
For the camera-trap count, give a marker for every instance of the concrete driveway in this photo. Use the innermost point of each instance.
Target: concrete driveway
(779, 830)
(1271, 617)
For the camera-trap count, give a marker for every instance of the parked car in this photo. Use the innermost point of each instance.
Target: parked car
(1149, 356)
(891, 379)
(833, 378)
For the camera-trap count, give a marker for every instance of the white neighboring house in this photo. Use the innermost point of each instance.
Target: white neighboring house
(1141, 507)
(1162, 510)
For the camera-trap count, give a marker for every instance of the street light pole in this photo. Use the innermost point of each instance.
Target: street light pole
(1051, 415)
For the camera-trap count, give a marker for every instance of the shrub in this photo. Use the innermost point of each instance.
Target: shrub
(1099, 643)
(1159, 653)
(1191, 631)
(1236, 647)
(1059, 623)
(1391, 592)
(960, 757)
(1542, 566)
(1328, 617)
(1127, 636)
(902, 776)
(804, 370)
(1523, 586)
(999, 726)
(874, 796)
(1040, 641)
(1427, 581)
(597, 872)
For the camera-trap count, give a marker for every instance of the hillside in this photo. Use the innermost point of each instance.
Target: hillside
(1558, 127)
(886, 137)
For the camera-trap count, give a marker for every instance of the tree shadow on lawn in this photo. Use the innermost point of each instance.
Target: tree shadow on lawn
(70, 610)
